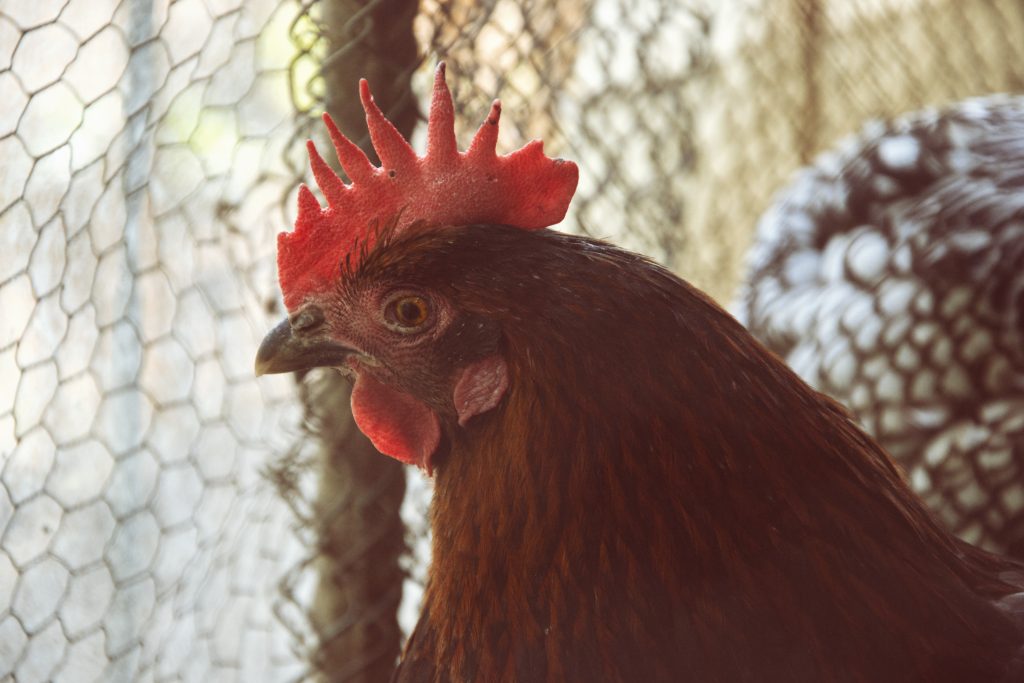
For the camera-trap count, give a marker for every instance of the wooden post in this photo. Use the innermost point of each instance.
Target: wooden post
(361, 491)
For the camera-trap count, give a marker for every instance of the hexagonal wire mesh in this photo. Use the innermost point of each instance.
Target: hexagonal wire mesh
(144, 170)
(151, 152)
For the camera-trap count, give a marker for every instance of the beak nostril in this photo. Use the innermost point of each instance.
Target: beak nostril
(306, 319)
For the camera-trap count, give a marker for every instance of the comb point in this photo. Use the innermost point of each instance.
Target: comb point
(326, 179)
(309, 211)
(441, 145)
(352, 159)
(393, 149)
(486, 139)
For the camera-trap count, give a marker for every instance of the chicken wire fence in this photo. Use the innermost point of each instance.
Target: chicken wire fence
(142, 147)
(164, 515)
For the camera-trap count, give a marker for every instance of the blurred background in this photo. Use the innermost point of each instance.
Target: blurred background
(164, 515)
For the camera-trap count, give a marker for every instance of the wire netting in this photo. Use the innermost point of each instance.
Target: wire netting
(144, 148)
(788, 80)
(166, 516)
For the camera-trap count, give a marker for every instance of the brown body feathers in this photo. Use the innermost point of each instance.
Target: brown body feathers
(629, 487)
(658, 498)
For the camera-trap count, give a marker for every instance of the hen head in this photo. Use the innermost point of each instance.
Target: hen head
(359, 301)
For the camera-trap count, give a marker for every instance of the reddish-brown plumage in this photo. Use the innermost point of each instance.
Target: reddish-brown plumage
(658, 498)
(628, 486)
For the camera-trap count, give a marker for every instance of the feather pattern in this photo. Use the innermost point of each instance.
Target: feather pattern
(890, 275)
(659, 498)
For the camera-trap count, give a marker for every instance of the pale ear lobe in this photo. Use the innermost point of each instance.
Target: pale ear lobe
(479, 387)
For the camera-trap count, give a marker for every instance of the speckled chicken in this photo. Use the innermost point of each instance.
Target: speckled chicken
(890, 274)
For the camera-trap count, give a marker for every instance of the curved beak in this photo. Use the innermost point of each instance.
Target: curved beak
(284, 351)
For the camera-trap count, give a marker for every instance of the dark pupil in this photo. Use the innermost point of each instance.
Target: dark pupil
(410, 312)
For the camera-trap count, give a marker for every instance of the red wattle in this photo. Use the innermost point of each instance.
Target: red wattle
(396, 423)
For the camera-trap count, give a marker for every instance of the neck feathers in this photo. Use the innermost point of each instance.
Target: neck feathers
(662, 497)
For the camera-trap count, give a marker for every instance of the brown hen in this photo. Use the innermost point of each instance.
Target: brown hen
(628, 486)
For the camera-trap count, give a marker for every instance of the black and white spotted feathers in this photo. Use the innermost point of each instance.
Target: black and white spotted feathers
(890, 275)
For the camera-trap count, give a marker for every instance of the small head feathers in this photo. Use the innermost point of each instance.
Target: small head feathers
(524, 189)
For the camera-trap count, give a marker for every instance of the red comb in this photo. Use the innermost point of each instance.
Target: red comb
(524, 189)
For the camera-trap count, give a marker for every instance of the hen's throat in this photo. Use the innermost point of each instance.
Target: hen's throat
(535, 533)
(605, 540)
(659, 498)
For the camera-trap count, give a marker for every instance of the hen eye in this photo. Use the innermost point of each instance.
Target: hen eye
(408, 311)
